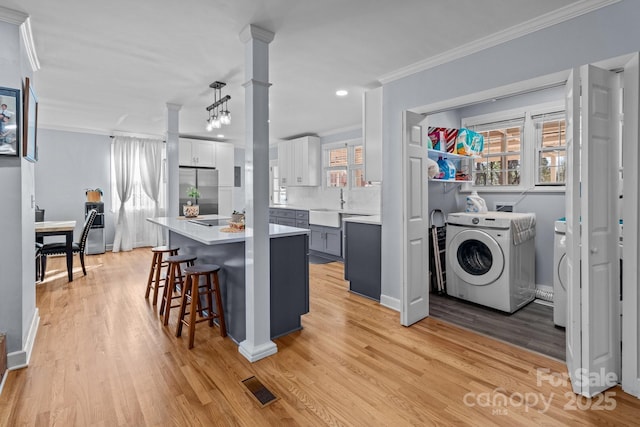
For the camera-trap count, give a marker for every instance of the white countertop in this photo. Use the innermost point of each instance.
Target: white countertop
(348, 211)
(211, 235)
(368, 219)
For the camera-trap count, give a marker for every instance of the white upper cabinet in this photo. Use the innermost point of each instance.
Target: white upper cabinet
(225, 201)
(195, 152)
(224, 163)
(372, 134)
(299, 161)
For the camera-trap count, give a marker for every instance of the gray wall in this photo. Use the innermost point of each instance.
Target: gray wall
(17, 267)
(605, 33)
(69, 163)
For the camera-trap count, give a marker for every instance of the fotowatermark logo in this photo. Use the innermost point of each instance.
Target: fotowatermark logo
(500, 400)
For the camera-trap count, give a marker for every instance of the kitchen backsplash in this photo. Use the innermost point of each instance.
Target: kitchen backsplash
(367, 198)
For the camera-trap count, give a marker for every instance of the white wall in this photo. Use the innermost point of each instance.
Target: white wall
(68, 163)
(602, 34)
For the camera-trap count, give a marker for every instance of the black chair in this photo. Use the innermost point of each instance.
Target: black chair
(60, 248)
(38, 262)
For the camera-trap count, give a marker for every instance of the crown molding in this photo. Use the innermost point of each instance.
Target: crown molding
(12, 16)
(30, 47)
(254, 32)
(543, 21)
(337, 131)
(73, 129)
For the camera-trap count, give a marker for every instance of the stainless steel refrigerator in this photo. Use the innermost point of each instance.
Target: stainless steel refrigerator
(206, 181)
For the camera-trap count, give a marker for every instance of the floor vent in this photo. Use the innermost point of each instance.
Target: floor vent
(262, 394)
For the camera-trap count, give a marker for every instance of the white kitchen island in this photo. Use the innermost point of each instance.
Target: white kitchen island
(289, 268)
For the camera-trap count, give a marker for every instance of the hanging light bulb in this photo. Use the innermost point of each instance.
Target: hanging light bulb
(225, 117)
(209, 127)
(215, 122)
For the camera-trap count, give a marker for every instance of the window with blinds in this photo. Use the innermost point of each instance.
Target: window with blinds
(344, 165)
(499, 163)
(551, 148)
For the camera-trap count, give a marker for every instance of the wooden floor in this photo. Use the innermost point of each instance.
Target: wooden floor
(530, 327)
(103, 358)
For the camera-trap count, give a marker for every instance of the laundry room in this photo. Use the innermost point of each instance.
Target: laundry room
(495, 273)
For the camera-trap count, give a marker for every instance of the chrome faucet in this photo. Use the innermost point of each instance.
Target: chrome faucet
(342, 200)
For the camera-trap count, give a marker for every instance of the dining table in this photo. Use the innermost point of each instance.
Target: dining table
(59, 228)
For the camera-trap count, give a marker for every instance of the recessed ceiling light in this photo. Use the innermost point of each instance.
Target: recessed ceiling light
(342, 92)
(220, 135)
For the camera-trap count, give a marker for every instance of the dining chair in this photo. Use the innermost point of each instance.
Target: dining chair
(59, 248)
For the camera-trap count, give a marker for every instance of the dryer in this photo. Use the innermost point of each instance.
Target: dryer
(491, 258)
(560, 273)
(560, 270)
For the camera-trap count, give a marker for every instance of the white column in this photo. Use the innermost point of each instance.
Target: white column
(257, 343)
(173, 121)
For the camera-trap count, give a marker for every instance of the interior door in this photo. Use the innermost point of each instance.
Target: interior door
(630, 214)
(572, 235)
(596, 232)
(415, 289)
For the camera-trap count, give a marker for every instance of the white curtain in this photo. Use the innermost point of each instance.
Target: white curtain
(150, 176)
(137, 176)
(123, 161)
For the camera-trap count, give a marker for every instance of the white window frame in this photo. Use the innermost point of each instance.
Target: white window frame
(539, 119)
(528, 147)
(351, 166)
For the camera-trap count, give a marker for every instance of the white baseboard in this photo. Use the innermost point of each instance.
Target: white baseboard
(390, 302)
(20, 359)
(254, 353)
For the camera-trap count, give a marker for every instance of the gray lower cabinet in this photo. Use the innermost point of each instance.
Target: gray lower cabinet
(291, 217)
(291, 222)
(362, 265)
(326, 239)
(289, 285)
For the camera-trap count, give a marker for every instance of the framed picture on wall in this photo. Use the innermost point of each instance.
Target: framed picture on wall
(29, 144)
(10, 122)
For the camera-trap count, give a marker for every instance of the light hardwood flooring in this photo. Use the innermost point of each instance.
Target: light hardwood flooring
(103, 358)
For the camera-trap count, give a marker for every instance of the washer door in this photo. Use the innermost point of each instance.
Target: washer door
(476, 257)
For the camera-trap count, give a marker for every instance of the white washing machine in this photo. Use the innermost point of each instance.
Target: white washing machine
(491, 258)
(560, 273)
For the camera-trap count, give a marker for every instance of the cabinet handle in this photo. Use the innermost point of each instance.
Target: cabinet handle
(299, 179)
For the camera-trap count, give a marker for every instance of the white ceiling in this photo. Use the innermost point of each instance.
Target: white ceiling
(113, 65)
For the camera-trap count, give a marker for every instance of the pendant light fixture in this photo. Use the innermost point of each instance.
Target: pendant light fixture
(217, 115)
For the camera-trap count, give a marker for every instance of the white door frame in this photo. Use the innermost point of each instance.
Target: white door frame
(631, 216)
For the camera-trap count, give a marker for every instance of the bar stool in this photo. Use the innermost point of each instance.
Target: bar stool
(174, 278)
(157, 263)
(193, 291)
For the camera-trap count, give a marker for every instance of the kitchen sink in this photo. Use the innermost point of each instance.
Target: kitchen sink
(325, 217)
